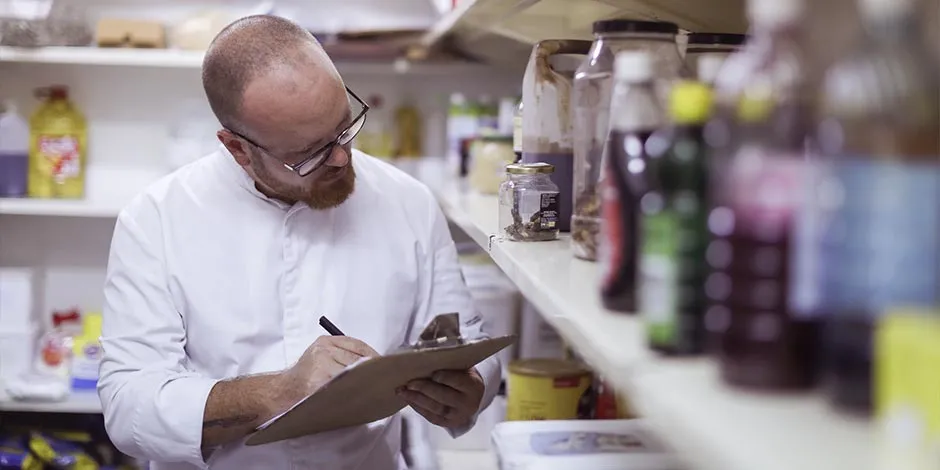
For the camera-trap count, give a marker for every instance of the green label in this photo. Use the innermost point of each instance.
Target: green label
(659, 269)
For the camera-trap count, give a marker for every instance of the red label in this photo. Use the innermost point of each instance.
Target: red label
(62, 153)
(567, 382)
(612, 228)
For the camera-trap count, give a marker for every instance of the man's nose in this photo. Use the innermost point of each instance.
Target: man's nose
(339, 157)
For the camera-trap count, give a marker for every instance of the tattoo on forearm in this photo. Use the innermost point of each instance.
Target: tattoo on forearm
(230, 421)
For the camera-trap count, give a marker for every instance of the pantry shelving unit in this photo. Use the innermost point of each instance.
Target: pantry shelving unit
(180, 59)
(711, 425)
(77, 403)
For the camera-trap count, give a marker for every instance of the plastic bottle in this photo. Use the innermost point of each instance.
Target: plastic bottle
(14, 152)
(880, 246)
(86, 354)
(635, 114)
(58, 143)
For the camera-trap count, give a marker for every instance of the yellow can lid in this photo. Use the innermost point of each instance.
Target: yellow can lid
(548, 368)
(690, 102)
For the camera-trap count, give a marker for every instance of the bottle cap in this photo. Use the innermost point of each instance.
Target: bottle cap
(634, 26)
(708, 68)
(716, 39)
(690, 103)
(633, 66)
(774, 12)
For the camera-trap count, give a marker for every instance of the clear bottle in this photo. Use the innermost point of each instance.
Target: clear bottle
(593, 84)
(760, 284)
(528, 203)
(635, 115)
(880, 137)
(673, 226)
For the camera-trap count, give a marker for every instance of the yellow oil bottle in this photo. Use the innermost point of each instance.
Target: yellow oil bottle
(58, 147)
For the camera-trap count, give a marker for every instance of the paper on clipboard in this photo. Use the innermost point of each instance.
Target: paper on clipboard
(365, 391)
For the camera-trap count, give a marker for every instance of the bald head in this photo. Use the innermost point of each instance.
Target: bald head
(252, 48)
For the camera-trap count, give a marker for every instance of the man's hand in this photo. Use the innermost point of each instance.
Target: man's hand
(449, 399)
(322, 361)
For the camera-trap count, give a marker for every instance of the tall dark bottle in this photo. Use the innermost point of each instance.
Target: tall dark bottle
(635, 115)
(881, 204)
(760, 282)
(673, 227)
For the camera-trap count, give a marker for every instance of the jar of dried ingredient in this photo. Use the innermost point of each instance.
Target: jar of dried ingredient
(528, 203)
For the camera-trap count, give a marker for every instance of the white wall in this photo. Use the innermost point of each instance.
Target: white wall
(129, 111)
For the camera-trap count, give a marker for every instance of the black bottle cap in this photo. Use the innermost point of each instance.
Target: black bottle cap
(634, 26)
(726, 39)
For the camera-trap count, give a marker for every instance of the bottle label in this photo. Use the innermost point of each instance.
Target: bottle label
(611, 252)
(517, 134)
(61, 154)
(548, 211)
(771, 211)
(881, 235)
(659, 275)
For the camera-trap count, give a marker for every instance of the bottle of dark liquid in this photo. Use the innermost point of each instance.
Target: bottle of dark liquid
(760, 308)
(635, 115)
(881, 207)
(673, 226)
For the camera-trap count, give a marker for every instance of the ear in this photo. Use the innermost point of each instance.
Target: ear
(235, 146)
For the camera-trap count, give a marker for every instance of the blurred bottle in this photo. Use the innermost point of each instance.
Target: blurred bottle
(462, 123)
(881, 200)
(635, 115)
(408, 130)
(760, 313)
(673, 227)
(57, 156)
(14, 152)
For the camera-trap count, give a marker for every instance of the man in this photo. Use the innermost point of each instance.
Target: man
(219, 273)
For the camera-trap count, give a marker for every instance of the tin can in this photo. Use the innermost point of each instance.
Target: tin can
(542, 389)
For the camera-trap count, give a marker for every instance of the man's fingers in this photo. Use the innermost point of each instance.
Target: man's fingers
(343, 356)
(353, 345)
(432, 417)
(457, 380)
(440, 393)
(424, 401)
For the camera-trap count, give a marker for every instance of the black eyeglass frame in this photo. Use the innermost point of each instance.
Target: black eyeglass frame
(323, 151)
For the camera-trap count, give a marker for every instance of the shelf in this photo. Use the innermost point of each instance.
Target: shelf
(107, 189)
(711, 425)
(530, 21)
(84, 402)
(168, 58)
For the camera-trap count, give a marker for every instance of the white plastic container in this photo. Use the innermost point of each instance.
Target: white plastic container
(495, 297)
(16, 352)
(580, 444)
(14, 152)
(16, 299)
(537, 338)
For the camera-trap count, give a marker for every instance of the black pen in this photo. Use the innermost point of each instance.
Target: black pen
(330, 327)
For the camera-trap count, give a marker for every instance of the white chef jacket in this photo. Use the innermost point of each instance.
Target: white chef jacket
(209, 279)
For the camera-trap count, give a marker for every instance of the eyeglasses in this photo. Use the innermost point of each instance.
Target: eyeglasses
(319, 157)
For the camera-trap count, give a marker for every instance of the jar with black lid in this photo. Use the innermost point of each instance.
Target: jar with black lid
(593, 82)
(714, 44)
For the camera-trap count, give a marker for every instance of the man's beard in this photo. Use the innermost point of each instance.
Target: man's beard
(318, 197)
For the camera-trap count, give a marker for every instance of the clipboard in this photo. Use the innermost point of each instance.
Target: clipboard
(366, 392)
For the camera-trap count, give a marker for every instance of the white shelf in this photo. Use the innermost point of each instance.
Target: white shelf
(530, 21)
(713, 426)
(107, 191)
(84, 402)
(169, 58)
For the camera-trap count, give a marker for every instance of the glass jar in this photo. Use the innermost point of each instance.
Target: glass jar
(528, 203)
(593, 83)
(711, 44)
(488, 164)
